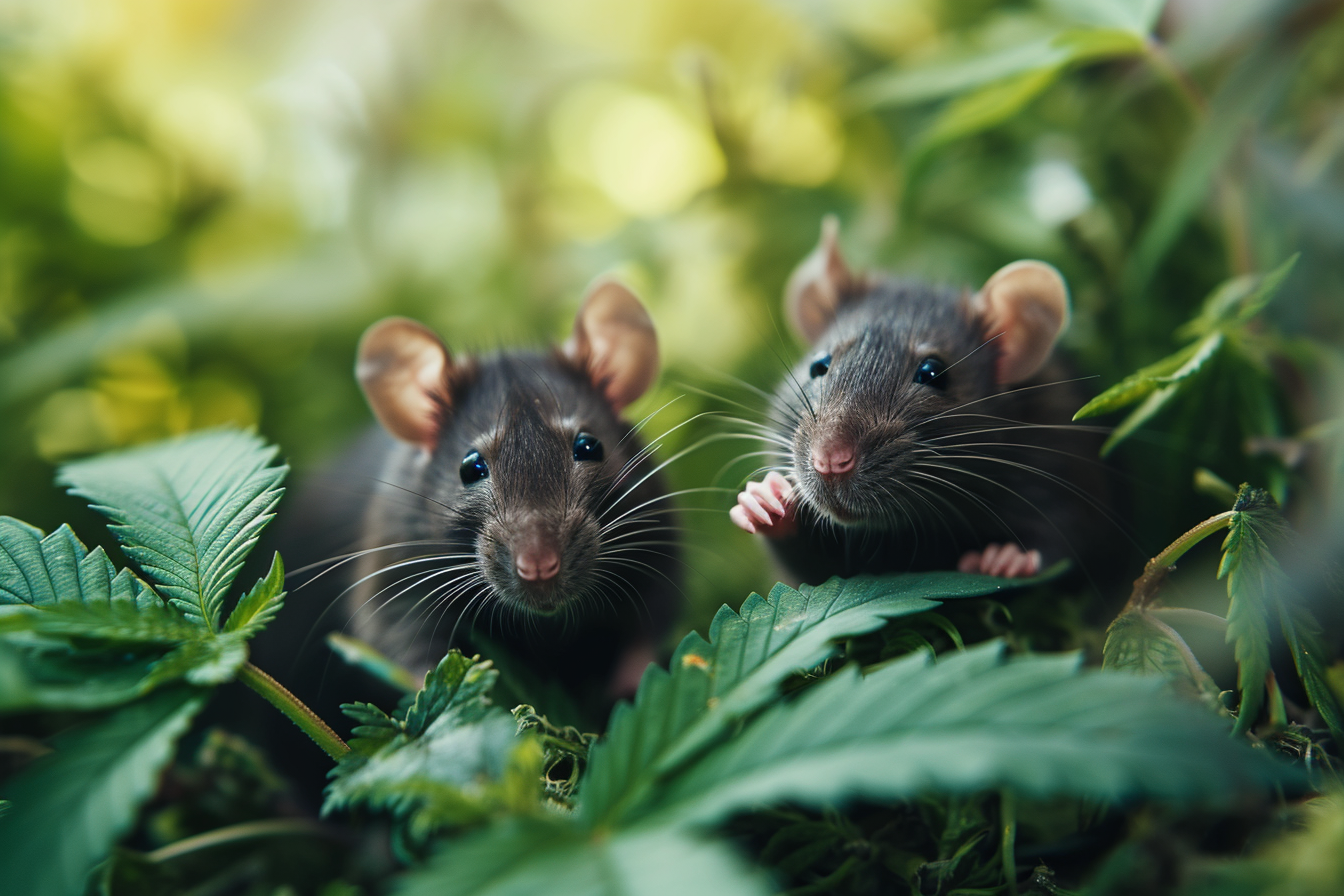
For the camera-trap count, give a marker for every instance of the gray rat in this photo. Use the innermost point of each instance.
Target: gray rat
(512, 500)
(927, 428)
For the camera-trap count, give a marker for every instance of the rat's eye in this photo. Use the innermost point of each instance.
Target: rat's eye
(474, 468)
(820, 366)
(930, 373)
(587, 447)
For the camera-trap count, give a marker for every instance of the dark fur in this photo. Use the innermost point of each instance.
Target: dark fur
(896, 512)
(522, 412)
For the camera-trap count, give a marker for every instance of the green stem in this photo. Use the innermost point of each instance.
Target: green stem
(236, 832)
(1008, 845)
(278, 696)
(1146, 585)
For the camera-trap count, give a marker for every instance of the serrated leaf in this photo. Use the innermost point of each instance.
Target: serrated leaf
(205, 661)
(39, 571)
(1134, 644)
(450, 758)
(1247, 566)
(57, 677)
(259, 606)
(1304, 636)
(186, 511)
(1037, 726)
(524, 857)
(70, 807)
(119, 622)
(740, 667)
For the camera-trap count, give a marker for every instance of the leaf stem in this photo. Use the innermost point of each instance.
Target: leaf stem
(1146, 585)
(236, 832)
(1008, 845)
(279, 696)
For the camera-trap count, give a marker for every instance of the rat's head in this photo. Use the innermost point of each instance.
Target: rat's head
(894, 368)
(521, 455)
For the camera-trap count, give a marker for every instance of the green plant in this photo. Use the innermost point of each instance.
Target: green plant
(714, 736)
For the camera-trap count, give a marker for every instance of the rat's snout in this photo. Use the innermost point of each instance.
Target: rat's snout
(834, 459)
(536, 561)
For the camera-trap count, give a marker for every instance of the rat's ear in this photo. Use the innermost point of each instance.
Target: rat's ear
(1023, 307)
(818, 285)
(403, 369)
(615, 342)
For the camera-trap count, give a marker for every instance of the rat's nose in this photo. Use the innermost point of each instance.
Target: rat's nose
(538, 563)
(833, 460)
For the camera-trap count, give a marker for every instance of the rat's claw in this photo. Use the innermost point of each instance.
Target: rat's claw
(765, 508)
(1004, 560)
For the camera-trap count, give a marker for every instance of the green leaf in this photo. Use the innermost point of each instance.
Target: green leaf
(1036, 726)
(205, 661)
(1247, 565)
(186, 511)
(524, 857)
(39, 571)
(1305, 640)
(982, 69)
(1244, 97)
(740, 667)
(71, 806)
(1170, 371)
(450, 758)
(1238, 300)
(1135, 644)
(365, 656)
(56, 677)
(259, 606)
(1137, 17)
(985, 108)
(1166, 389)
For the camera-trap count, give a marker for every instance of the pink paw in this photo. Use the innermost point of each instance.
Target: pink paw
(1006, 560)
(766, 508)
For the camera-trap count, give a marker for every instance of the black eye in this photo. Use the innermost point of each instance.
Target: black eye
(587, 447)
(474, 468)
(930, 373)
(820, 366)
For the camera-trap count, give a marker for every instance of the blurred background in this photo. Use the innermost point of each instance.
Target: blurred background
(203, 204)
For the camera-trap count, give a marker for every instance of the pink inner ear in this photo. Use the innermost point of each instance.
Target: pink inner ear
(1024, 307)
(614, 341)
(403, 369)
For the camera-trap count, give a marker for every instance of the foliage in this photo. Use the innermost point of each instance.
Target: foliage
(202, 205)
(1258, 592)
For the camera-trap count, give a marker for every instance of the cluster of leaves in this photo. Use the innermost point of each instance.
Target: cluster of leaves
(1145, 638)
(135, 648)
(704, 741)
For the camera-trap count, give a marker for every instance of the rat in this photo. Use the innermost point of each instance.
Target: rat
(927, 428)
(511, 500)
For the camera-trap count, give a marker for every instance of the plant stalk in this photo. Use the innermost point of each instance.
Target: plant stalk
(233, 833)
(279, 696)
(1146, 585)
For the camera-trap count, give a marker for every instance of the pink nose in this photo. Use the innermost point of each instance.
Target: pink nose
(833, 461)
(537, 564)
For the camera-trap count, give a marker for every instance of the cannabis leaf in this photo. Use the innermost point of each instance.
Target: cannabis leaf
(713, 682)
(1257, 590)
(71, 806)
(973, 721)
(449, 758)
(523, 857)
(186, 511)
(1218, 331)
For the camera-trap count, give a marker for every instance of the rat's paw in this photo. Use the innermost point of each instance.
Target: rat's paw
(1005, 560)
(766, 508)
